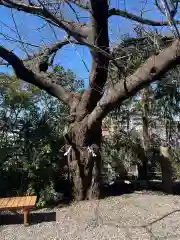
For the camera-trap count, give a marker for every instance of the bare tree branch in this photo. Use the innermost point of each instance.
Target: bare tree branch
(131, 16)
(80, 4)
(18, 34)
(11, 39)
(72, 28)
(153, 69)
(40, 61)
(78, 31)
(73, 10)
(43, 81)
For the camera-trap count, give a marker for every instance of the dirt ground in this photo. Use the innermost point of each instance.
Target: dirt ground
(139, 215)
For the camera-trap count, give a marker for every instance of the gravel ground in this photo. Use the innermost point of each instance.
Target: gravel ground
(140, 215)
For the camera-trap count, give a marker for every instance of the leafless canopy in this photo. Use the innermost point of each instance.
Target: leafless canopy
(94, 35)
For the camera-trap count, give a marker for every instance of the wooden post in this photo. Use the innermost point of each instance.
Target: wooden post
(26, 213)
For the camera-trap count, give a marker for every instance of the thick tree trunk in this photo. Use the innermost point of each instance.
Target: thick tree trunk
(166, 168)
(85, 166)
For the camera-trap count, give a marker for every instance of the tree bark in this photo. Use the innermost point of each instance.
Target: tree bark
(145, 129)
(143, 158)
(166, 168)
(85, 168)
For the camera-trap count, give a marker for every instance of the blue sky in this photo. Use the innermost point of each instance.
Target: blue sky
(68, 57)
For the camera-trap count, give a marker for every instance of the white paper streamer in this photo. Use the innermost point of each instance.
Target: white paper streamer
(88, 148)
(91, 151)
(68, 151)
(127, 182)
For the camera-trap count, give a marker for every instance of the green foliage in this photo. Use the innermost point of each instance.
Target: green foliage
(31, 136)
(119, 151)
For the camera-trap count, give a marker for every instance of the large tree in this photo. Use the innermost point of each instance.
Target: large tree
(88, 109)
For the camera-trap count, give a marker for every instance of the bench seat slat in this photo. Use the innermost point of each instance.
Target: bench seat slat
(33, 200)
(17, 202)
(2, 200)
(10, 202)
(5, 202)
(27, 201)
(21, 202)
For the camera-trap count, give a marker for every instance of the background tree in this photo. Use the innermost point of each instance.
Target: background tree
(156, 100)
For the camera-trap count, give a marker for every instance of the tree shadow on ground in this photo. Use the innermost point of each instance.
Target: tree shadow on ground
(34, 218)
(157, 186)
(116, 189)
(176, 188)
(120, 187)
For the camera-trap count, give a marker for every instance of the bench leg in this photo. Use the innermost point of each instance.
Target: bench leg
(26, 214)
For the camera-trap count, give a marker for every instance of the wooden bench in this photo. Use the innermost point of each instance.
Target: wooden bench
(18, 203)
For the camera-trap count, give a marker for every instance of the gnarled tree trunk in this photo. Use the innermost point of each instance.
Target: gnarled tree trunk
(85, 166)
